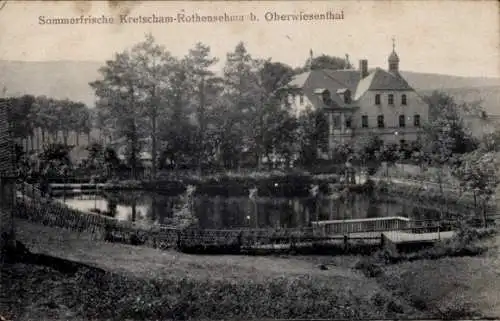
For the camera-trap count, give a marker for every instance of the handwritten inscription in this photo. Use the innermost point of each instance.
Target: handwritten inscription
(184, 17)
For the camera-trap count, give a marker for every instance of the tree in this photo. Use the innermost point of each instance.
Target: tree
(312, 136)
(446, 125)
(155, 66)
(367, 152)
(243, 97)
(45, 118)
(21, 116)
(478, 174)
(177, 129)
(274, 127)
(341, 152)
(325, 62)
(204, 85)
(135, 88)
(491, 142)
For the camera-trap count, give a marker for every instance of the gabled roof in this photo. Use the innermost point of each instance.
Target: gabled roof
(313, 82)
(299, 80)
(380, 79)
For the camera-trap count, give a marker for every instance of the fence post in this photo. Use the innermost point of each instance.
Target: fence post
(240, 240)
(178, 238)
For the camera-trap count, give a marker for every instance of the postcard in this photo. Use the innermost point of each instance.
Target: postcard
(249, 160)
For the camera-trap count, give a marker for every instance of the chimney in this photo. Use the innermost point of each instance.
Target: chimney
(363, 68)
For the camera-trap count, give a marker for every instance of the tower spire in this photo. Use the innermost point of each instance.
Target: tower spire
(347, 63)
(310, 59)
(393, 58)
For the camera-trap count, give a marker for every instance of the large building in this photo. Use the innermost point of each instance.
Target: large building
(362, 102)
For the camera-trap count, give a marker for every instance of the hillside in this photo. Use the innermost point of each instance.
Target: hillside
(489, 96)
(57, 79)
(70, 79)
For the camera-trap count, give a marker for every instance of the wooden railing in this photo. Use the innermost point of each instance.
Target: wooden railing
(341, 227)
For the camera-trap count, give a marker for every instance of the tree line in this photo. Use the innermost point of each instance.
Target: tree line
(42, 119)
(189, 116)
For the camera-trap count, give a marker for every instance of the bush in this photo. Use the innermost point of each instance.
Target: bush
(369, 266)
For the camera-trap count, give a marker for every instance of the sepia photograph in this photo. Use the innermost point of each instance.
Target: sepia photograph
(249, 160)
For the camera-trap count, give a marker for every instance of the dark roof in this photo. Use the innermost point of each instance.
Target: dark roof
(337, 81)
(381, 80)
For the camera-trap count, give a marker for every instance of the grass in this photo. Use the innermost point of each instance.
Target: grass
(146, 284)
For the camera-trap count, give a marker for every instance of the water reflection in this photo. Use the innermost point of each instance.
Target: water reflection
(235, 212)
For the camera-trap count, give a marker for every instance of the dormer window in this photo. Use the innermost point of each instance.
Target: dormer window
(324, 95)
(403, 100)
(345, 94)
(377, 99)
(390, 99)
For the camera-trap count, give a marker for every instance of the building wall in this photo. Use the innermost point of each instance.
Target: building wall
(392, 132)
(299, 103)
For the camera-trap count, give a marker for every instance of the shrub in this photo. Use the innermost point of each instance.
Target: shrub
(369, 267)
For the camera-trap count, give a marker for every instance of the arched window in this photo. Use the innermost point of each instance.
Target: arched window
(391, 99)
(403, 100)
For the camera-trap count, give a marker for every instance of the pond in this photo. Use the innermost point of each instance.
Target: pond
(219, 212)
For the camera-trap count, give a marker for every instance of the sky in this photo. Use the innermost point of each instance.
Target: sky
(446, 37)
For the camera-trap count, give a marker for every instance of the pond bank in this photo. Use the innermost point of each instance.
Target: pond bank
(143, 283)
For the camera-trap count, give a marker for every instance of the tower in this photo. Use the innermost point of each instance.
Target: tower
(311, 57)
(393, 58)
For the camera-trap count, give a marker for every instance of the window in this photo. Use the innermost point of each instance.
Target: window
(301, 99)
(391, 99)
(348, 122)
(402, 144)
(364, 121)
(403, 100)
(402, 122)
(380, 121)
(416, 120)
(347, 96)
(336, 121)
(377, 99)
